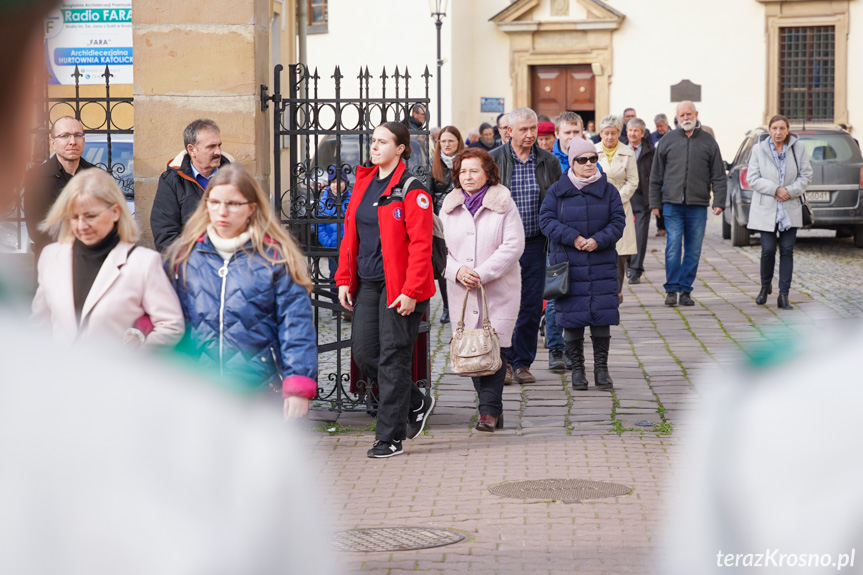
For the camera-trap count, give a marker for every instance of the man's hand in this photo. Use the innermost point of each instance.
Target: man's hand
(716, 210)
(655, 212)
(345, 298)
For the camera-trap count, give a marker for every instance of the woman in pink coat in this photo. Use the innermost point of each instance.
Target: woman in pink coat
(485, 239)
(94, 281)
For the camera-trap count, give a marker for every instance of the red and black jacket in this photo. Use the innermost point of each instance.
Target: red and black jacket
(405, 222)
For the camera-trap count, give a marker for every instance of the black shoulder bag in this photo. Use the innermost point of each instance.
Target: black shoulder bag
(557, 275)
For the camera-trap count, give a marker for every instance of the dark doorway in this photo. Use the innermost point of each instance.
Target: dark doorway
(555, 89)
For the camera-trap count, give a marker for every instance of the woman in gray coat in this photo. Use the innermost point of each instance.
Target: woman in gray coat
(779, 172)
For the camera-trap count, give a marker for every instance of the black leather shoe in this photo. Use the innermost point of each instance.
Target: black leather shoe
(444, 317)
(686, 299)
(762, 295)
(671, 299)
(782, 302)
(555, 360)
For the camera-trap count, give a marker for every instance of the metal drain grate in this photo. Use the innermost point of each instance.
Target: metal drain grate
(393, 539)
(566, 490)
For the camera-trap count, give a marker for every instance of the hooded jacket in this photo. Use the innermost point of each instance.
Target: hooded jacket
(177, 197)
(594, 211)
(763, 178)
(684, 168)
(242, 320)
(405, 221)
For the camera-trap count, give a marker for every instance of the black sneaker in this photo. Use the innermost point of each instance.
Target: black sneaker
(555, 360)
(671, 299)
(686, 299)
(634, 279)
(383, 449)
(417, 419)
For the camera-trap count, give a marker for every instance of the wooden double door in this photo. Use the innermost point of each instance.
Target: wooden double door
(555, 89)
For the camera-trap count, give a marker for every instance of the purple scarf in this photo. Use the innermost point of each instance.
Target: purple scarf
(581, 182)
(473, 202)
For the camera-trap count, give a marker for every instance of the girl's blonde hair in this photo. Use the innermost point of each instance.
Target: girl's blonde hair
(94, 183)
(265, 231)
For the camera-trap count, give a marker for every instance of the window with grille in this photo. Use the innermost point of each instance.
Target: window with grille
(807, 56)
(317, 15)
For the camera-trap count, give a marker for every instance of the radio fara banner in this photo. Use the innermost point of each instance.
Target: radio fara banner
(91, 35)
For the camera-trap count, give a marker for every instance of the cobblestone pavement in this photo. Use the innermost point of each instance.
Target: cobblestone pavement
(658, 359)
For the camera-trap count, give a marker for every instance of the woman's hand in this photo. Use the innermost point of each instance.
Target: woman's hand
(295, 407)
(590, 245)
(579, 242)
(782, 194)
(404, 305)
(345, 298)
(468, 277)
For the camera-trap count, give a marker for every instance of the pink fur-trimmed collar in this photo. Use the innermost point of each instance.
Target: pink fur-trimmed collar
(496, 199)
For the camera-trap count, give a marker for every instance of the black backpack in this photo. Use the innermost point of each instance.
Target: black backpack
(438, 242)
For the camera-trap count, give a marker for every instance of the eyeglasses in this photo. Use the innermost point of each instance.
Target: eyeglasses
(87, 218)
(216, 205)
(581, 160)
(66, 136)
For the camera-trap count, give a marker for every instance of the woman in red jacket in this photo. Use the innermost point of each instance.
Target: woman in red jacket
(385, 277)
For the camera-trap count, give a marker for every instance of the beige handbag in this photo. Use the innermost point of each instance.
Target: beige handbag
(475, 352)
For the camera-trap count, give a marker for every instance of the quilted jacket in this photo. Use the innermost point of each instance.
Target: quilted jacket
(244, 314)
(595, 211)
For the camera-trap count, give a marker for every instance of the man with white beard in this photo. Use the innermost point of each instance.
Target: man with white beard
(686, 164)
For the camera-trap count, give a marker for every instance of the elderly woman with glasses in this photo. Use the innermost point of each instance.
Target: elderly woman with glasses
(583, 218)
(620, 166)
(95, 281)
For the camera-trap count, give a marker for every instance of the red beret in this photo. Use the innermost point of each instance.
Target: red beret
(546, 128)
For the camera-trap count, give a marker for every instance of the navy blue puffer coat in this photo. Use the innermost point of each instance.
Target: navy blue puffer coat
(241, 319)
(595, 212)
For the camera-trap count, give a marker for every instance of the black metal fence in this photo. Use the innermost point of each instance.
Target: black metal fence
(101, 114)
(328, 137)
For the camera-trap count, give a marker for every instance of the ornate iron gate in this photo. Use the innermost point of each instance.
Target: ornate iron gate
(327, 137)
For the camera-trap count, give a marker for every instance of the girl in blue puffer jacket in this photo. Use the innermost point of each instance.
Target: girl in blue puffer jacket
(244, 288)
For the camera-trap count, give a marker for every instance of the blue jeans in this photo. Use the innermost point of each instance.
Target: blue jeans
(523, 350)
(684, 226)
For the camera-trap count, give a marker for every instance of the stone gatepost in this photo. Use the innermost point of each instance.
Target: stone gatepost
(198, 60)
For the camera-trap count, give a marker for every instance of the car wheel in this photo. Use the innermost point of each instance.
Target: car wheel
(739, 234)
(726, 227)
(858, 237)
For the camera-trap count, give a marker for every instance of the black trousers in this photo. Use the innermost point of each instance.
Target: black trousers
(383, 343)
(785, 241)
(441, 283)
(573, 334)
(642, 227)
(489, 391)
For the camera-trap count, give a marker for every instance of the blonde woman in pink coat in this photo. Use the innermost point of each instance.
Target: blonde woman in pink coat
(94, 282)
(485, 239)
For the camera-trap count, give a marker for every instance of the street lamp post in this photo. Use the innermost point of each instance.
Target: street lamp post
(438, 12)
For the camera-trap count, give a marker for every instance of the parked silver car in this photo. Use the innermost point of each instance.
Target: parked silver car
(834, 193)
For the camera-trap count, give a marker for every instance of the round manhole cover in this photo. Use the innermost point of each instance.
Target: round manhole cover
(568, 490)
(394, 538)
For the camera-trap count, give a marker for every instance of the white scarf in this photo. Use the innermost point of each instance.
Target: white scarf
(227, 247)
(447, 160)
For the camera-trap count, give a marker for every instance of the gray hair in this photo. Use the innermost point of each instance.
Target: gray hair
(660, 118)
(522, 114)
(684, 102)
(473, 132)
(569, 118)
(610, 121)
(637, 123)
(190, 134)
(625, 110)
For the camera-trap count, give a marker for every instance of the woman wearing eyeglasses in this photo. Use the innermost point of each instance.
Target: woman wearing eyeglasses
(95, 282)
(583, 218)
(244, 288)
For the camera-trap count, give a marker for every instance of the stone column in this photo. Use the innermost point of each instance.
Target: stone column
(198, 60)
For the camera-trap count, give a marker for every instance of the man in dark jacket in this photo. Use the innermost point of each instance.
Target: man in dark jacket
(528, 171)
(182, 185)
(43, 183)
(636, 133)
(686, 164)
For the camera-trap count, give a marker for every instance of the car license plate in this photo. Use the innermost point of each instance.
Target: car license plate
(818, 196)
